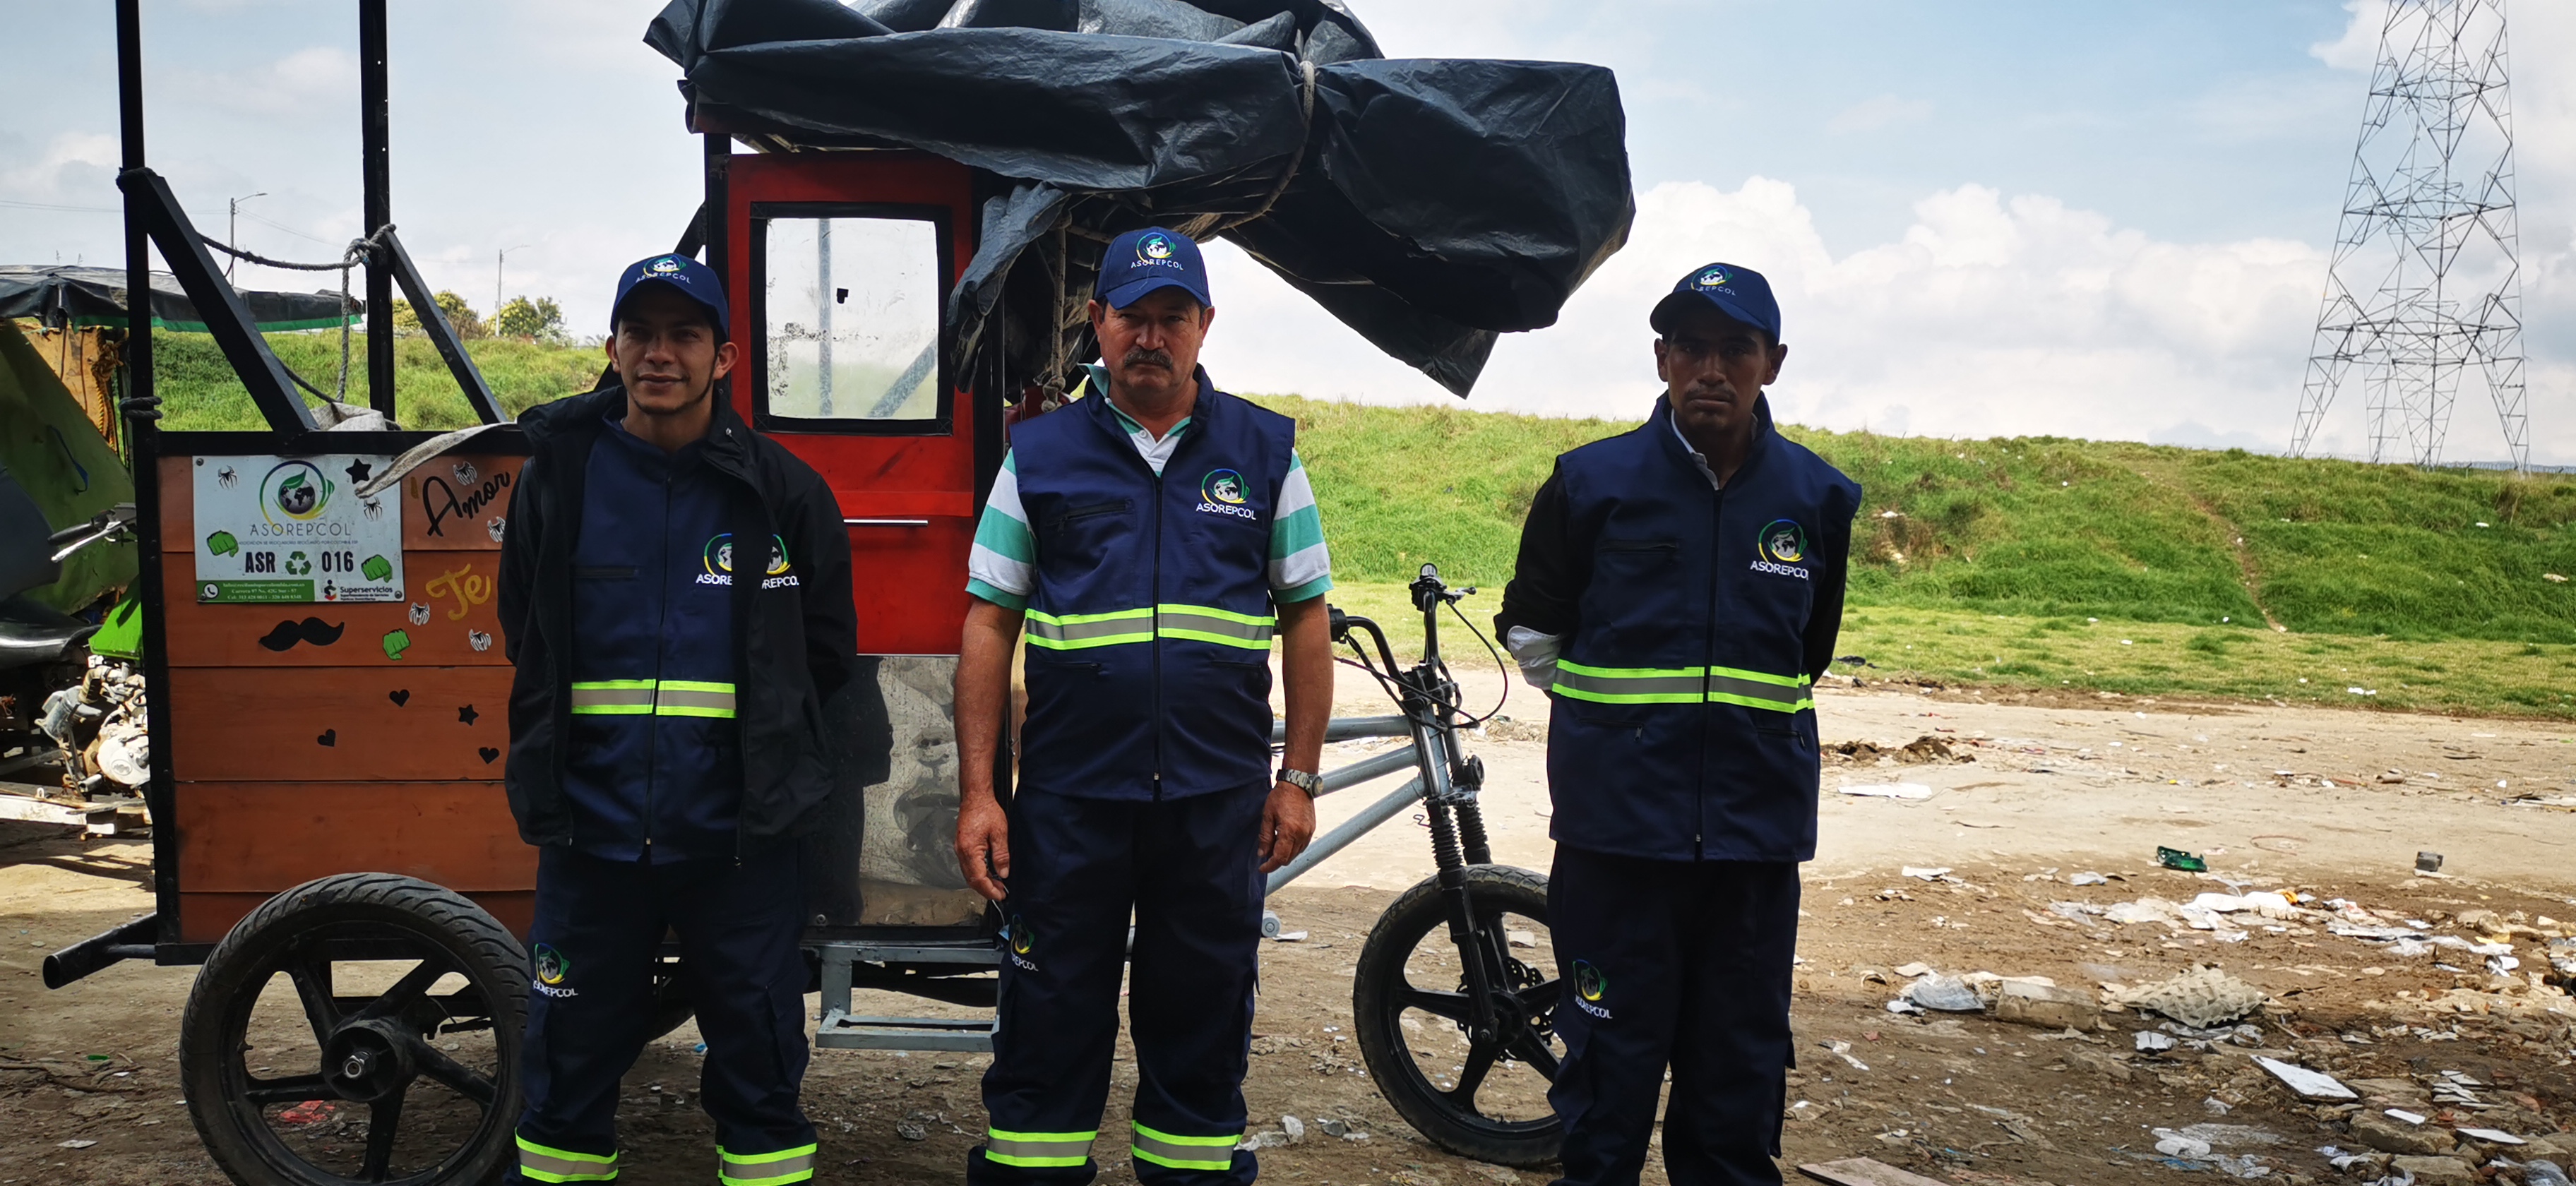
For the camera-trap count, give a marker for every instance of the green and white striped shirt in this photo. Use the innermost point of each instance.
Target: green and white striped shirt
(1002, 569)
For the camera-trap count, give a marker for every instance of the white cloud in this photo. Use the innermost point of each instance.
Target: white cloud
(317, 81)
(1885, 111)
(2358, 47)
(70, 159)
(1988, 315)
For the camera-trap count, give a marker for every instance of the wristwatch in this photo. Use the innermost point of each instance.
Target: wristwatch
(1302, 780)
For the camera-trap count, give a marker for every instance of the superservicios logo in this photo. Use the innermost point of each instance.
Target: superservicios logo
(718, 561)
(1024, 944)
(1714, 277)
(1222, 492)
(553, 969)
(1781, 549)
(1154, 249)
(1591, 984)
(293, 492)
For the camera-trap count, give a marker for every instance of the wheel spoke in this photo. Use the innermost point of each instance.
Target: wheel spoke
(1532, 1051)
(383, 1117)
(1480, 1059)
(312, 976)
(293, 1089)
(1451, 1005)
(464, 1080)
(405, 990)
(1538, 999)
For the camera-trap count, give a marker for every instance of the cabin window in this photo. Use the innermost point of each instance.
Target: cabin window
(849, 309)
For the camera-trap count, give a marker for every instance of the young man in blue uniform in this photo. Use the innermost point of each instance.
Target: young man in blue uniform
(1678, 592)
(675, 592)
(1152, 537)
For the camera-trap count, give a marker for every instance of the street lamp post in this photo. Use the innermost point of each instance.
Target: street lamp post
(499, 258)
(232, 229)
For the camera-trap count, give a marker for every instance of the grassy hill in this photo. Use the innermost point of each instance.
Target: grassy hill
(2037, 561)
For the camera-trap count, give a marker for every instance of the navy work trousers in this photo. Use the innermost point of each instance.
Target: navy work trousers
(1189, 871)
(598, 926)
(1679, 962)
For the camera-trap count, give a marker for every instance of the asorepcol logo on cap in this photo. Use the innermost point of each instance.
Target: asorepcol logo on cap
(1142, 261)
(1739, 293)
(694, 280)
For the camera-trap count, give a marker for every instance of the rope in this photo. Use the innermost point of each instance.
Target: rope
(1306, 116)
(356, 253)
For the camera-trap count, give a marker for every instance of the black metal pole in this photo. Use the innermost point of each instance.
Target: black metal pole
(377, 150)
(142, 444)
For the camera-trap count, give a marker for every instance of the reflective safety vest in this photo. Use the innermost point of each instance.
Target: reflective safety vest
(1683, 724)
(1149, 623)
(655, 757)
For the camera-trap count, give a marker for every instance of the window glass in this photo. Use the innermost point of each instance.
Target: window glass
(853, 318)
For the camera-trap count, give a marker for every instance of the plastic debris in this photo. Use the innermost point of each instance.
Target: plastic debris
(1294, 1128)
(1864, 1171)
(74, 1143)
(2309, 1084)
(1292, 936)
(1949, 994)
(2544, 1173)
(2174, 1144)
(1925, 873)
(2201, 998)
(1910, 971)
(2175, 858)
(2490, 1136)
(2428, 862)
(1842, 1050)
(2408, 1117)
(2088, 878)
(2149, 1041)
(1890, 790)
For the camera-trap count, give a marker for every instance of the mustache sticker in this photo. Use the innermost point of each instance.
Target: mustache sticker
(312, 630)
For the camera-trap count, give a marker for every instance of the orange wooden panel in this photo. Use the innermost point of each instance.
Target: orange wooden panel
(203, 918)
(453, 606)
(441, 507)
(338, 724)
(240, 837)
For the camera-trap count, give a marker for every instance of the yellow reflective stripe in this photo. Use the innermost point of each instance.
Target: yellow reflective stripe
(546, 1164)
(1632, 672)
(1073, 632)
(1760, 677)
(645, 697)
(1184, 1153)
(1038, 1150)
(1772, 705)
(770, 1169)
(1683, 685)
(691, 685)
(693, 698)
(1227, 615)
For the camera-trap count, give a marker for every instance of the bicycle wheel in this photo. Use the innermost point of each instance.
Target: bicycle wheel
(1480, 1096)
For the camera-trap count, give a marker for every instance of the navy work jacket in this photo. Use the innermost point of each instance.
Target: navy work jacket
(1150, 623)
(1695, 622)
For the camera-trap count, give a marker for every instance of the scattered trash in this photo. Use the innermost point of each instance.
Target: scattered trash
(2046, 1006)
(1893, 790)
(2088, 878)
(2408, 1117)
(1842, 1050)
(2309, 1084)
(1521, 938)
(2149, 1041)
(2201, 998)
(1949, 994)
(1268, 1138)
(2544, 1173)
(1864, 1171)
(1910, 971)
(2428, 862)
(1294, 1128)
(1298, 937)
(911, 1131)
(1920, 873)
(1333, 1126)
(2173, 1144)
(2175, 858)
(2490, 1136)
(74, 1143)
(308, 1112)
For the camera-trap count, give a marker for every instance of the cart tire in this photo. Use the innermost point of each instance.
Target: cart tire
(370, 1050)
(1521, 1131)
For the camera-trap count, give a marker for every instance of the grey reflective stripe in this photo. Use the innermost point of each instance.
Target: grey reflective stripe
(764, 1169)
(1678, 687)
(1213, 625)
(1077, 631)
(1729, 689)
(540, 1164)
(1187, 1153)
(1038, 1150)
(686, 698)
(615, 697)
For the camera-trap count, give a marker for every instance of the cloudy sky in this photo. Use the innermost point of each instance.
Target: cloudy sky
(1983, 217)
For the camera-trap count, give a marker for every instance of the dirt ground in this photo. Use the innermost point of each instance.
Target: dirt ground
(2039, 792)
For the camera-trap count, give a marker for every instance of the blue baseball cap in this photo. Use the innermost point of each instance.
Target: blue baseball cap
(1139, 262)
(1740, 293)
(694, 280)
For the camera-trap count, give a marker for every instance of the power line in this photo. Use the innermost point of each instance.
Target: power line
(60, 208)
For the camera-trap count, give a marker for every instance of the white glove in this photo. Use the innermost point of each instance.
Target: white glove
(1536, 653)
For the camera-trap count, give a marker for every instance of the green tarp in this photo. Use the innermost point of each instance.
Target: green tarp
(54, 453)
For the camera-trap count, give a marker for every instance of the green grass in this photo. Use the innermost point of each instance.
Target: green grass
(2032, 527)
(198, 390)
(1986, 557)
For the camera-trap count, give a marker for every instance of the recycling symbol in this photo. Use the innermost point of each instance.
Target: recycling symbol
(298, 564)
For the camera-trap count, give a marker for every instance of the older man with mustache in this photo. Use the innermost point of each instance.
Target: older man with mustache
(1152, 538)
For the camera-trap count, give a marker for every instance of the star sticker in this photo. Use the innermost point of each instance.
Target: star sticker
(359, 469)
(466, 715)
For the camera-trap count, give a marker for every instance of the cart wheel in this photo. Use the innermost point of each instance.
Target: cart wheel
(1476, 1095)
(360, 1028)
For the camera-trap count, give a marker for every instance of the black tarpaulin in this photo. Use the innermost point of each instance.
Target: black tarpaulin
(1429, 204)
(57, 295)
